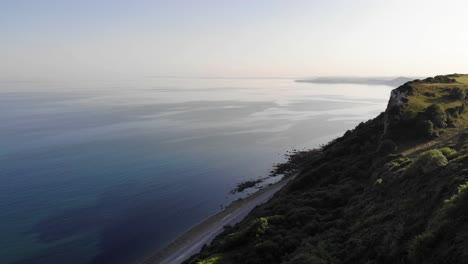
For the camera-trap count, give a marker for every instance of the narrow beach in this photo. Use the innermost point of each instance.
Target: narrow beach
(203, 233)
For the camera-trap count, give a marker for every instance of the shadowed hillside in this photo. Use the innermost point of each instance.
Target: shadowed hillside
(392, 190)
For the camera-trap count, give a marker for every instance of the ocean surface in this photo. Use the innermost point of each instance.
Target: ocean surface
(110, 171)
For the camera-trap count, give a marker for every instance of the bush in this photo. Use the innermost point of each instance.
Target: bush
(259, 227)
(425, 128)
(461, 109)
(429, 161)
(453, 211)
(436, 115)
(448, 152)
(211, 260)
(457, 203)
(421, 245)
(458, 93)
(439, 79)
(451, 121)
(453, 111)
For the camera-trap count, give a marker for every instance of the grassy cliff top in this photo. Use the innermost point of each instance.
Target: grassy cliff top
(461, 78)
(436, 90)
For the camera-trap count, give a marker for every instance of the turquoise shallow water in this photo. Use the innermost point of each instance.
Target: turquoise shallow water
(106, 172)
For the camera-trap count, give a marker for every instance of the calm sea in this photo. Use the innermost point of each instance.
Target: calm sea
(107, 172)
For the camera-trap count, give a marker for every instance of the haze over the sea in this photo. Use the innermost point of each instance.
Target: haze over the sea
(98, 40)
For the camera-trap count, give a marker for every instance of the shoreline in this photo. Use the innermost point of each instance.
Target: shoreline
(191, 241)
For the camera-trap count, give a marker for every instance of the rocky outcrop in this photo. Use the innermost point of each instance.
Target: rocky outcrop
(398, 97)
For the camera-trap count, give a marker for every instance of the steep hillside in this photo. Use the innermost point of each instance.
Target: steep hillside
(392, 190)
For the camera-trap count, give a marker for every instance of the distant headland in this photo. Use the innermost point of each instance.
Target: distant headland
(359, 80)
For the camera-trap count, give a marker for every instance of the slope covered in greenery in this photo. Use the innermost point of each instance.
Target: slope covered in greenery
(392, 190)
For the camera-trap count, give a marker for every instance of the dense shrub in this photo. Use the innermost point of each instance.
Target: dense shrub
(429, 161)
(436, 115)
(451, 121)
(421, 245)
(448, 152)
(452, 112)
(424, 128)
(211, 260)
(439, 79)
(458, 203)
(259, 226)
(453, 210)
(457, 93)
(461, 109)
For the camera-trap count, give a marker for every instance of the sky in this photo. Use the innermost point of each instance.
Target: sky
(86, 39)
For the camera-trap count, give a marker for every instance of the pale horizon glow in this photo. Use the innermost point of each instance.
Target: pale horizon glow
(299, 38)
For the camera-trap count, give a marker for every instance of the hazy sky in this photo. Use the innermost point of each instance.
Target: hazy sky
(290, 38)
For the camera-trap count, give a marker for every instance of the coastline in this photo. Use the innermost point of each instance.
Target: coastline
(191, 241)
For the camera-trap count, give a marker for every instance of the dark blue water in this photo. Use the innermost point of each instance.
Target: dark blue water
(107, 172)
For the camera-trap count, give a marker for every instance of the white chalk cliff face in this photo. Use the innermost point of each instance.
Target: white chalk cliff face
(397, 99)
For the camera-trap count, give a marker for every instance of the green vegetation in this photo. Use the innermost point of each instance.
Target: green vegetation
(461, 195)
(458, 93)
(421, 246)
(448, 152)
(211, 260)
(428, 161)
(442, 228)
(461, 78)
(424, 129)
(392, 190)
(436, 114)
(426, 108)
(425, 93)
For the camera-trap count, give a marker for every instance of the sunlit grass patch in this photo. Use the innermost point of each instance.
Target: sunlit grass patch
(462, 79)
(427, 94)
(211, 260)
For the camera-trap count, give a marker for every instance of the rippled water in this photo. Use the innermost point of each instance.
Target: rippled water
(107, 172)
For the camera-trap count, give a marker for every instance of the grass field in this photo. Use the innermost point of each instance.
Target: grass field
(462, 79)
(425, 94)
